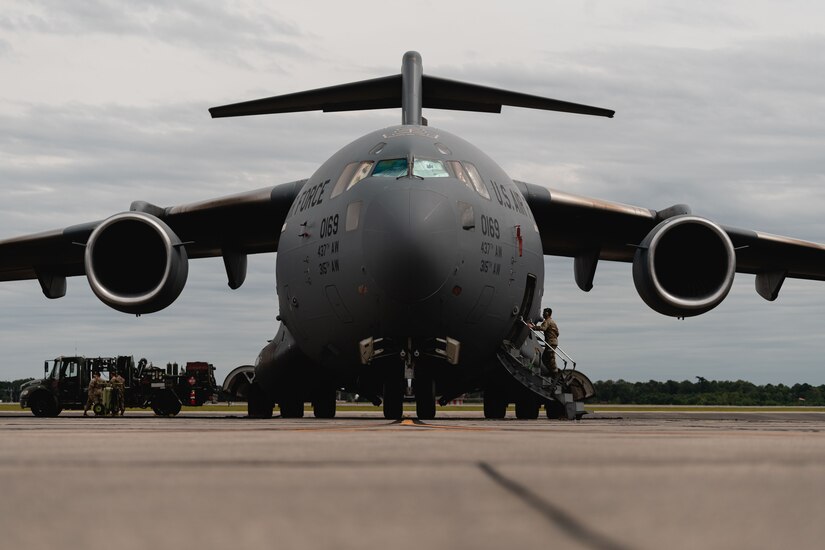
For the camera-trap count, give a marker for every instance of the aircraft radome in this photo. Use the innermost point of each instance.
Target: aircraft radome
(409, 261)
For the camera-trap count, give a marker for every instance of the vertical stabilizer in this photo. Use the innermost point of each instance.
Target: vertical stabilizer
(412, 71)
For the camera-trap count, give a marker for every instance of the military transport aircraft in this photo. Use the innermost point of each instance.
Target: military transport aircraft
(409, 261)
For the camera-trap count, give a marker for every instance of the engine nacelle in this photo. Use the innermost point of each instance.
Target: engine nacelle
(685, 266)
(135, 263)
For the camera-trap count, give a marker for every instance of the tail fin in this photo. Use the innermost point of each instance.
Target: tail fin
(411, 90)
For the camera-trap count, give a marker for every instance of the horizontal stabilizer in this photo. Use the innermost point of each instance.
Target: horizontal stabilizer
(387, 92)
(441, 93)
(378, 93)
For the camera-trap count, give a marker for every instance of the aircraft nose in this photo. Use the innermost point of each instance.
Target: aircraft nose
(410, 243)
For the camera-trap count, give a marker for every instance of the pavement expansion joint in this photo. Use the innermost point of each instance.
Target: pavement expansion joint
(551, 512)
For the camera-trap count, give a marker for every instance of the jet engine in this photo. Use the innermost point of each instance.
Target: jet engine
(135, 263)
(685, 266)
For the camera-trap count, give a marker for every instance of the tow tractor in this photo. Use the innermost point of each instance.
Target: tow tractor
(66, 380)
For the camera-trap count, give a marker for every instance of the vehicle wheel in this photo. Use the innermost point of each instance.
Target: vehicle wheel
(165, 403)
(394, 395)
(174, 406)
(527, 408)
(424, 387)
(323, 406)
(99, 409)
(259, 405)
(495, 404)
(43, 405)
(554, 410)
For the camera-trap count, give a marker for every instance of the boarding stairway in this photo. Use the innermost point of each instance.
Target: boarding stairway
(563, 392)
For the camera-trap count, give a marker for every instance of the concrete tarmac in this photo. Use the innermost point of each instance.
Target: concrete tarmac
(611, 481)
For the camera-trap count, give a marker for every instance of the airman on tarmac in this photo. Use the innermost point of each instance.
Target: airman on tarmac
(95, 392)
(119, 388)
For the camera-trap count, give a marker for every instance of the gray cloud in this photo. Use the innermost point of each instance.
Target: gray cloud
(225, 30)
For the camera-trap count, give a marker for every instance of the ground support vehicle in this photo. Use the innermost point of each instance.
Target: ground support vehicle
(167, 390)
(66, 382)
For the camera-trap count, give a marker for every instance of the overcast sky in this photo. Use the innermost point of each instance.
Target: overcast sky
(719, 105)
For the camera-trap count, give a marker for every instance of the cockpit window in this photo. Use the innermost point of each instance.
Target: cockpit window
(465, 172)
(426, 168)
(390, 168)
(352, 174)
(475, 178)
(459, 172)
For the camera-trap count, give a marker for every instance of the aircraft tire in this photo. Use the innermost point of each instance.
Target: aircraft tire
(292, 408)
(424, 397)
(554, 410)
(495, 404)
(394, 396)
(527, 408)
(323, 406)
(258, 405)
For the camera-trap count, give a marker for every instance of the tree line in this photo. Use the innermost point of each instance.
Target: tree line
(706, 392)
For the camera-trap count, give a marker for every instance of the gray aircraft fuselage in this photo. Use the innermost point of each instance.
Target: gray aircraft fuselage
(408, 258)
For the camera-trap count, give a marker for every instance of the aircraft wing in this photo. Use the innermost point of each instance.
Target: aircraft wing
(590, 229)
(248, 222)
(245, 223)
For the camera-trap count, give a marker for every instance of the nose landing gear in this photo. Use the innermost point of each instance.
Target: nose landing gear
(407, 380)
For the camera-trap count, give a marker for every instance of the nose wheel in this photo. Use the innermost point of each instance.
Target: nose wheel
(405, 380)
(394, 386)
(424, 387)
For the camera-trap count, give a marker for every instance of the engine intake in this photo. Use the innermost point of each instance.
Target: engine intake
(684, 267)
(135, 263)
